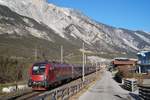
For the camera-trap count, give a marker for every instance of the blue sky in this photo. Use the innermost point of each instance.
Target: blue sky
(130, 14)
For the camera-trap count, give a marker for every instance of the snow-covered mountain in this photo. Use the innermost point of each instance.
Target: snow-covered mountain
(74, 27)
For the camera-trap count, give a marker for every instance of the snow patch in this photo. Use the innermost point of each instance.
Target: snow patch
(143, 37)
(28, 22)
(9, 89)
(73, 35)
(3, 2)
(129, 44)
(38, 34)
(95, 59)
(119, 31)
(13, 88)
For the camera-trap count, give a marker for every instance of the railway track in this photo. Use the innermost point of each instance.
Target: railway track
(27, 96)
(32, 94)
(24, 96)
(21, 96)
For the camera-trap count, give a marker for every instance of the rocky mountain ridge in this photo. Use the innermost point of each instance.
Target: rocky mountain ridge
(74, 27)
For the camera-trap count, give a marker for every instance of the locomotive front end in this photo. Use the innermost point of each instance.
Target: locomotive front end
(38, 80)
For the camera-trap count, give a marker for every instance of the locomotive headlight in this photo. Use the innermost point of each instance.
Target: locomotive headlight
(44, 76)
(30, 82)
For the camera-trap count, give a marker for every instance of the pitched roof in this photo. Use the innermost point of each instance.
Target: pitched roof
(129, 62)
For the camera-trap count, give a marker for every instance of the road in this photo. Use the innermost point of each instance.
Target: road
(105, 89)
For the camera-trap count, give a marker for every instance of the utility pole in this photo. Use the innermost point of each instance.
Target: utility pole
(61, 59)
(83, 62)
(85, 59)
(96, 67)
(72, 71)
(35, 54)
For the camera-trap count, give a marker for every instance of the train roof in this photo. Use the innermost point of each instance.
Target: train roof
(41, 63)
(46, 62)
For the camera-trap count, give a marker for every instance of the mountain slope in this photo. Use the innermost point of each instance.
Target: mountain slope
(74, 27)
(20, 35)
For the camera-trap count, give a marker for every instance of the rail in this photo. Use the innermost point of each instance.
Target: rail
(64, 92)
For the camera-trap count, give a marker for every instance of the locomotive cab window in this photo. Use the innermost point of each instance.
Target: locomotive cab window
(38, 69)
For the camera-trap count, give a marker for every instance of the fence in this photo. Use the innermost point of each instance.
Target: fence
(144, 92)
(130, 84)
(63, 93)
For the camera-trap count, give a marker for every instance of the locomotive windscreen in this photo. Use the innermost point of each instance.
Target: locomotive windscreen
(38, 69)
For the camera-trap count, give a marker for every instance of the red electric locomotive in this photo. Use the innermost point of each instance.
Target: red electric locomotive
(46, 74)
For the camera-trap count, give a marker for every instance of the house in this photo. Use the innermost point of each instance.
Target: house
(143, 61)
(125, 65)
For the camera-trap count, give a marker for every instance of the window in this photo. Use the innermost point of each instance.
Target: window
(38, 69)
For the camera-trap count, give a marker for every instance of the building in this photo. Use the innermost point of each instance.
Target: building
(125, 65)
(144, 61)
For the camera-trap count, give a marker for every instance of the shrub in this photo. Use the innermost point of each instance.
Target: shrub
(118, 76)
(9, 70)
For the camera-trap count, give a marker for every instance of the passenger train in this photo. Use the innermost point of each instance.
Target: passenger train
(44, 75)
